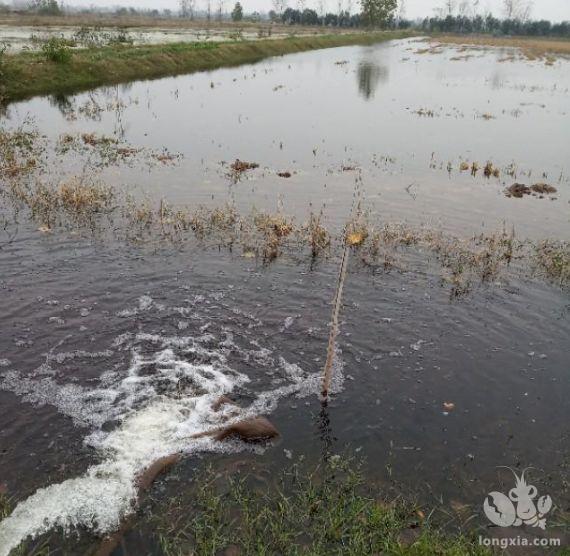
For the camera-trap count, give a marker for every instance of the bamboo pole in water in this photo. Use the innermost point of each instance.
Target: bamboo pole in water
(327, 372)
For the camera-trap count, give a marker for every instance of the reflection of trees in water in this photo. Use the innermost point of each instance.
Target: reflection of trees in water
(63, 103)
(369, 76)
(497, 80)
(105, 99)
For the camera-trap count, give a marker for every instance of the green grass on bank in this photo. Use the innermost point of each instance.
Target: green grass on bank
(323, 511)
(29, 74)
(5, 506)
(305, 510)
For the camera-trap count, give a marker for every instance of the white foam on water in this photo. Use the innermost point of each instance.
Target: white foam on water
(158, 403)
(145, 303)
(77, 354)
(152, 425)
(101, 498)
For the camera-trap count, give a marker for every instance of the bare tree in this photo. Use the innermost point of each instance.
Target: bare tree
(517, 9)
(448, 8)
(279, 6)
(465, 8)
(321, 8)
(187, 8)
(209, 10)
(221, 6)
(402, 10)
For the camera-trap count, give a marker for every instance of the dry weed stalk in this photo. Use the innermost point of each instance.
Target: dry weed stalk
(553, 259)
(268, 235)
(317, 235)
(20, 152)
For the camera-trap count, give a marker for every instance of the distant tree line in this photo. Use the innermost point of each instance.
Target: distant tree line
(46, 7)
(491, 25)
(453, 16)
(462, 24)
(309, 16)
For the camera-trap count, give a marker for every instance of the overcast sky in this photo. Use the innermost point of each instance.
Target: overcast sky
(556, 10)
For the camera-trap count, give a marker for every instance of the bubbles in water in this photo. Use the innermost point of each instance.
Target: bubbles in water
(145, 303)
(159, 402)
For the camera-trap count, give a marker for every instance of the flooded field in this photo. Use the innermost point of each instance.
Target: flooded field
(21, 37)
(170, 241)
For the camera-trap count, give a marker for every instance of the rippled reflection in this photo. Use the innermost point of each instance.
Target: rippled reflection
(370, 75)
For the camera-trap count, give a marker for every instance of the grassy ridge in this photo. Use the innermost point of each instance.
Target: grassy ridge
(531, 47)
(29, 74)
(328, 510)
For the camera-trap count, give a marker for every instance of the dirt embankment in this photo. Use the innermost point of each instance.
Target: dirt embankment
(29, 74)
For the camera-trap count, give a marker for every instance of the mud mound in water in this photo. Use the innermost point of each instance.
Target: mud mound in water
(543, 188)
(519, 190)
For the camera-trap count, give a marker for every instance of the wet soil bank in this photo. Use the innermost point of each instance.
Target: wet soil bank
(29, 74)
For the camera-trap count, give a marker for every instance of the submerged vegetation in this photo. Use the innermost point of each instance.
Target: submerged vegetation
(86, 205)
(106, 150)
(554, 258)
(267, 236)
(19, 152)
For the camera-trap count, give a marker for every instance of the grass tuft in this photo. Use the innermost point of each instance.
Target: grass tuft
(553, 259)
(6, 506)
(57, 50)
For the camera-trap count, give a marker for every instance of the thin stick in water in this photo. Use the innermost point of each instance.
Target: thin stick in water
(327, 373)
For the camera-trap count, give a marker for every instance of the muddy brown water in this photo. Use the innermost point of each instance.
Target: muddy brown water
(75, 312)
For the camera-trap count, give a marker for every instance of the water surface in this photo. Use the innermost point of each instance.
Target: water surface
(96, 335)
